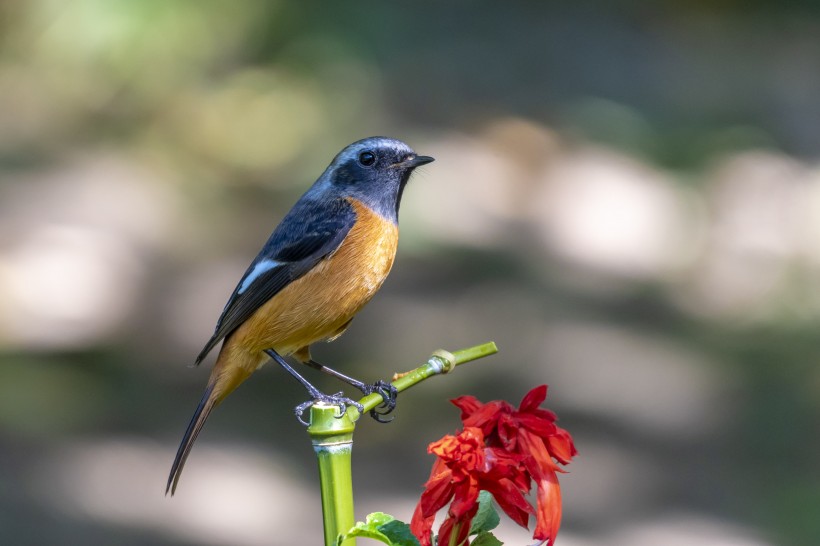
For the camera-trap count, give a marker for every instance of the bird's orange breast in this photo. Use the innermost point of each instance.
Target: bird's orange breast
(319, 304)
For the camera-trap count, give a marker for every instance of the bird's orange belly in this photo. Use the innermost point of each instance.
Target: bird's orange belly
(319, 304)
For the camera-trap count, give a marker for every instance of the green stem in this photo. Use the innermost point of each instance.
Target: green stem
(454, 535)
(332, 437)
(440, 362)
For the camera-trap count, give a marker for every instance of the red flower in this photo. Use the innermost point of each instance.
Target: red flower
(465, 466)
(531, 434)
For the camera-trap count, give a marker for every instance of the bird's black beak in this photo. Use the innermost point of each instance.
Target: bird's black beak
(416, 161)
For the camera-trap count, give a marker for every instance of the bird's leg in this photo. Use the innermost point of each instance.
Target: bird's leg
(387, 391)
(337, 399)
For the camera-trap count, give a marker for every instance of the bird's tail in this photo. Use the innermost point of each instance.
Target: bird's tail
(224, 379)
(204, 408)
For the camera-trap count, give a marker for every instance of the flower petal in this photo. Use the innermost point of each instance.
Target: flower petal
(461, 525)
(539, 463)
(533, 398)
(422, 526)
(510, 500)
(465, 497)
(486, 417)
(467, 404)
(437, 493)
(561, 446)
(535, 424)
(548, 515)
(445, 531)
(542, 468)
(507, 430)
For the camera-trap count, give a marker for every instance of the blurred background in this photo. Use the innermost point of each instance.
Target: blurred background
(626, 198)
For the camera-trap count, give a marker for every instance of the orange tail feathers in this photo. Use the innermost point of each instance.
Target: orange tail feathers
(224, 379)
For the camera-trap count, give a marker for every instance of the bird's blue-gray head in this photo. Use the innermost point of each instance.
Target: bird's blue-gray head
(373, 170)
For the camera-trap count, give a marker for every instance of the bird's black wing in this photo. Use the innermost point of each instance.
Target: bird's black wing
(308, 233)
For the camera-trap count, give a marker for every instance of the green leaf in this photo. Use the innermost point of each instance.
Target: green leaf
(486, 519)
(369, 529)
(486, 539)
(384, 528)
(399, 533)
(378, 518)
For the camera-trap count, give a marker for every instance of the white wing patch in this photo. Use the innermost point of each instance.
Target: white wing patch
(260, 268)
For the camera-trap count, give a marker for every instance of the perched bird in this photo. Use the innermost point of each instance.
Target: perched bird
(322, 264)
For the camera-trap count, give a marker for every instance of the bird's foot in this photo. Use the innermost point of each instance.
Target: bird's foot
(339, 400)
(388, 393)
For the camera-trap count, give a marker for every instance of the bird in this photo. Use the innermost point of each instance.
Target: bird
(325, 260)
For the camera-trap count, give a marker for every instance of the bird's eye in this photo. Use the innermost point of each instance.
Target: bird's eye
(367, 158)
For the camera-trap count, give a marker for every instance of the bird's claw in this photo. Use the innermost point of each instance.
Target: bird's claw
(384, 389)
(300, 409)
(339, 400)
(388, 393)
